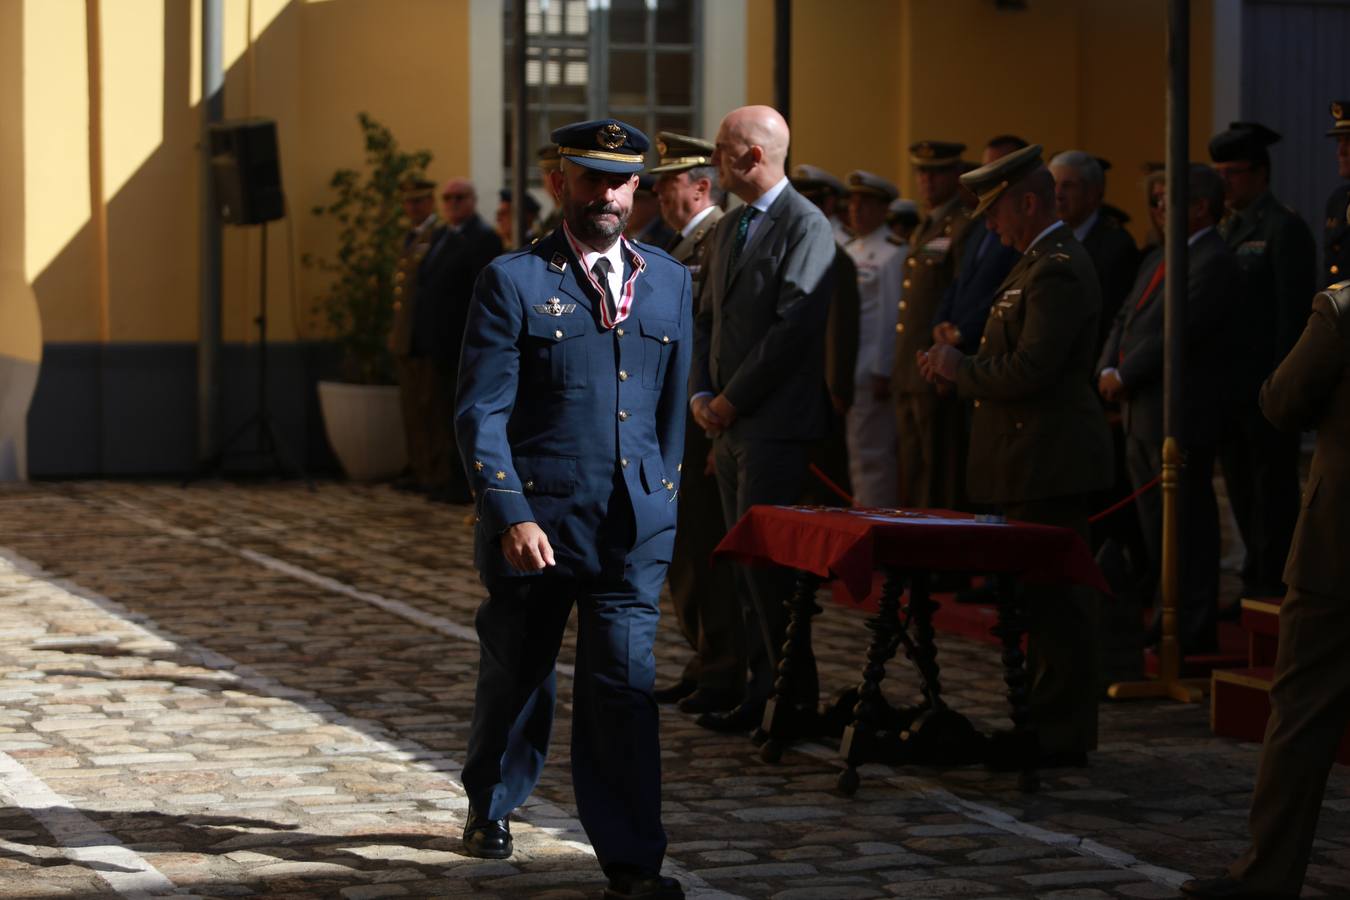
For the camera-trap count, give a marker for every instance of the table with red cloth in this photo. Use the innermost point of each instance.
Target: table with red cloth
(825, 543)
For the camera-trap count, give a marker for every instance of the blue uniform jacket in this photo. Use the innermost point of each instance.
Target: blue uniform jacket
(968, 298)
(567, 424)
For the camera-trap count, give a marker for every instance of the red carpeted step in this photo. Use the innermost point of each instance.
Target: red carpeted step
(1240, 704)
(1261, 621)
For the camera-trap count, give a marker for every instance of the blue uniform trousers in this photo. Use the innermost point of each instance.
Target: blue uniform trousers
(616, 754)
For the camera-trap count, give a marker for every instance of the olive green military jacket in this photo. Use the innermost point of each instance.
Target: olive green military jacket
(929, 270)
(1311, 389)
(1278, 258)
(1336, 237)
(692, 250)
(1037, 429)
(419, 241)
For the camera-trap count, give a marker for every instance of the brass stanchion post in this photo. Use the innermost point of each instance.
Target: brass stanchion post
(1169, 682)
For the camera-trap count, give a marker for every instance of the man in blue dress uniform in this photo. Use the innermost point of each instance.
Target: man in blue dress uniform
(570, 415)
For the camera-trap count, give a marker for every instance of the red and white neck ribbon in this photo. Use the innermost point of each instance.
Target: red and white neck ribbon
(624, 302)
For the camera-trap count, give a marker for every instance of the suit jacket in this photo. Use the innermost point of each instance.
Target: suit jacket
(1136, 349)
(1037, 430)
(570, 425)
(1278, 259)
(445, 279)
(692, 250)
(1311, 389)
(759, 339)
(1336, 237)
(967, 300)
(1116, 260)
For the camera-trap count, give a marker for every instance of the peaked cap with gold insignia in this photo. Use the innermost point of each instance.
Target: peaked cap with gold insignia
(680, 152)
(988, 182)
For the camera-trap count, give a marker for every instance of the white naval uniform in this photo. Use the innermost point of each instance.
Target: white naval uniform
(872, 451)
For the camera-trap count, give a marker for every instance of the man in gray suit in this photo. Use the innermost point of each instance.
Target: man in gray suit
(758, 378)
(1130, 370)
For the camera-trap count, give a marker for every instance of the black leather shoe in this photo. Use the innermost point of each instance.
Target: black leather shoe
(487, 838)
(642, 886)
(708, 700)
(675, 692)
(1226, 888)
(745, 717)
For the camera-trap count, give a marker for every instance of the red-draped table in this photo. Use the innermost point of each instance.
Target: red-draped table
(825, 543)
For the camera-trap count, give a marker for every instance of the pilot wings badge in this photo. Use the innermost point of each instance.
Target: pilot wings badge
(554, 307)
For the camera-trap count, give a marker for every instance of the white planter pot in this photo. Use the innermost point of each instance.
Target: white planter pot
(364, 424)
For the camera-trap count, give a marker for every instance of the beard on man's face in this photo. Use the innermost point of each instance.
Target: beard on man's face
(597, 220)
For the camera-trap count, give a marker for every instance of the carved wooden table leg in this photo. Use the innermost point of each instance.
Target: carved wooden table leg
(1012, 625)
(859, 743)
(784, 717)
(938, 735)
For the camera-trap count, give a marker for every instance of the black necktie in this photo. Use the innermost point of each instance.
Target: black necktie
(601, 272)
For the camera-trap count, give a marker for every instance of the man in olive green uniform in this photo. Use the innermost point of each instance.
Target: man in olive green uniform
(1336, 233)
(1310, 698)
(702, 590)
(1039, 446)
(927, 463)
(1278, 258)
(416, 374)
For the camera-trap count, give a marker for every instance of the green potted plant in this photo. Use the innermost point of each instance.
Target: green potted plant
(362, 415)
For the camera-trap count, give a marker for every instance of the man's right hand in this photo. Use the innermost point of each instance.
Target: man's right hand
(708, 420)
(526, 547)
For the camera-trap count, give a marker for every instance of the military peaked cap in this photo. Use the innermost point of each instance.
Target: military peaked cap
(935, 154)
(1242, 142)
(549, 160)
(814, 178)
(1340, 114)
(680, 152)
(860, 182)
(988, 182)
(417, 188)
(606, 145)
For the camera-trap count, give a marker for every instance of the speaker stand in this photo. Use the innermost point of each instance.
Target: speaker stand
(269, 447)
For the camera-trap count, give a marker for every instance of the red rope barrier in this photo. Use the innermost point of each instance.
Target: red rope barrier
(1117, 507)
(834, 488)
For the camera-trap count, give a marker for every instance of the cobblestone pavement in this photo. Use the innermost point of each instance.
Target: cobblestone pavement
(262, 691)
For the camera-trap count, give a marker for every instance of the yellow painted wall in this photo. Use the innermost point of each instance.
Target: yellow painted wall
(309, 64)
(1083, 74)
(20, 329)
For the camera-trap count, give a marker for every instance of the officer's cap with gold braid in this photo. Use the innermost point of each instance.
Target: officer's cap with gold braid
(935, 154)
(680, 153)
(1340, 114)
(988, 182)
(548, 158)
(860, 182)
(814, 179)
(606, 145)
(417, 188)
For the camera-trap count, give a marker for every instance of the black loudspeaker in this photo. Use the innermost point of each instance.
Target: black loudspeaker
(246, 171)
